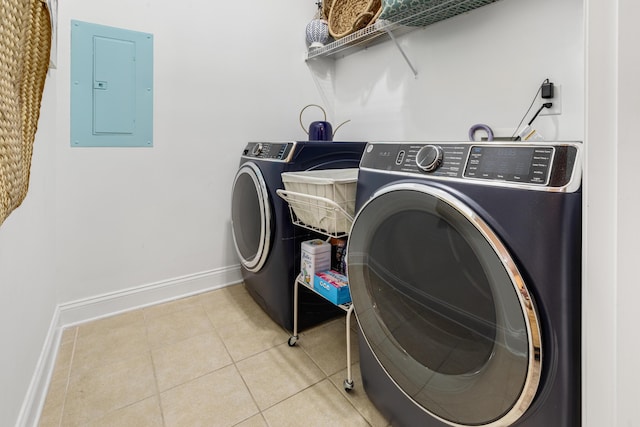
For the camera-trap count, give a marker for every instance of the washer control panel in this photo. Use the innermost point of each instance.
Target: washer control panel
(539, 164)
(277, 151)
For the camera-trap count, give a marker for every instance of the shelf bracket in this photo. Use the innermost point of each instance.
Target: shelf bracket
(404, 55)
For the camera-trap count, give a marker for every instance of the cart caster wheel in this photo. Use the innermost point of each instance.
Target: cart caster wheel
(348, 385)
(292, 340)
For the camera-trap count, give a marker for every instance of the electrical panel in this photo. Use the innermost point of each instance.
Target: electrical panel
(111, 86)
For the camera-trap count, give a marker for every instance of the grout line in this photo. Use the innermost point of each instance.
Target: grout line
(153, 367)
(66, 386)
(233, 362)
(301, 390)
(235, 366)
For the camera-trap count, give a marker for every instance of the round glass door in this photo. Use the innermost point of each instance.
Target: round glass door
(251, 219)
(443, 307)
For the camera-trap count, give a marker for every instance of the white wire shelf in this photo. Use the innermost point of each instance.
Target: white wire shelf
(401, 23)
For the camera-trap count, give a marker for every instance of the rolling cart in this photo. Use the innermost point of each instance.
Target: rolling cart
(331, 218)
(348, 307)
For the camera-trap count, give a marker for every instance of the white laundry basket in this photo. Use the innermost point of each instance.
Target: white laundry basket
(322, 199)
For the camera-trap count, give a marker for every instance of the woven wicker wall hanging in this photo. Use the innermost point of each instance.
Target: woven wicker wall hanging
(25, 43)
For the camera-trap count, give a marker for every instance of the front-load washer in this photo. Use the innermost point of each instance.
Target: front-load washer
(464, 267)
(266, 241)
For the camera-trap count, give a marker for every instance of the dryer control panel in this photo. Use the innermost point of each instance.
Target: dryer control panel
(277, 151)
(508, 163)
(540, 164)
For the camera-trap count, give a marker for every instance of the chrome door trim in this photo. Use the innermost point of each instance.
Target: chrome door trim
(257, 262)
(527, 305)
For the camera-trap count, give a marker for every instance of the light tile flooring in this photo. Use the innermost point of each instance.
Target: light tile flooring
(214, 359)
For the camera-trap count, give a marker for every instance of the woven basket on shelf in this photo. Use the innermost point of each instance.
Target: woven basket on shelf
(25, 43)
(326, 8)
(348, 16)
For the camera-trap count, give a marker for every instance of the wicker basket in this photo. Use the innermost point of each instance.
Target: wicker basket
(25, 43)
(348, 16)
(326, 8)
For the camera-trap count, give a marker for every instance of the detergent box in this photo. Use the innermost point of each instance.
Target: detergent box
(315, 256)
(333, 286)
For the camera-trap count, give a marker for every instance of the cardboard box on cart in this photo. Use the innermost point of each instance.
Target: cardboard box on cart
(333, 286)
(315, 257)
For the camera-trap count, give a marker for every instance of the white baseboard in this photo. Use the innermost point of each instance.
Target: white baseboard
(37, 392)
(81, 311)
(73, 313)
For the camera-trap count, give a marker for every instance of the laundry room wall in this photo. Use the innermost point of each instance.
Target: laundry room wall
(151, 218)
(103, 222)
(612, 201)
(110, 224)
(480, 67)
(28, 293)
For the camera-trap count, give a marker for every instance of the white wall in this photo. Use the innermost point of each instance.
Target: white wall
(627, 336)
(601, 228)
(480, 67)
(100, 222)
(27, 270)
(225, 73)
(612, 235)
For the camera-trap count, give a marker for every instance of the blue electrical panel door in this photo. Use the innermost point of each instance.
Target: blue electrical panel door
(114, 86)
(111, 87)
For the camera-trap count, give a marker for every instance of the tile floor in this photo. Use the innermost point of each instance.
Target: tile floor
(213, 359)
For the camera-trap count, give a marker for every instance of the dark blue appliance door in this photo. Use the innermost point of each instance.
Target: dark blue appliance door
(251, 218)
(443, 308)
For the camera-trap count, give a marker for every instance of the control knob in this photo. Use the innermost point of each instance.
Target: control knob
(257, 149)
(429, 158)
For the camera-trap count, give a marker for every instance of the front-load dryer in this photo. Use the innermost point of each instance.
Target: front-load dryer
(464, 266)
(266, 241)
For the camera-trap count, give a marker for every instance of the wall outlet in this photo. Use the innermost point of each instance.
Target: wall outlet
(556, 108)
